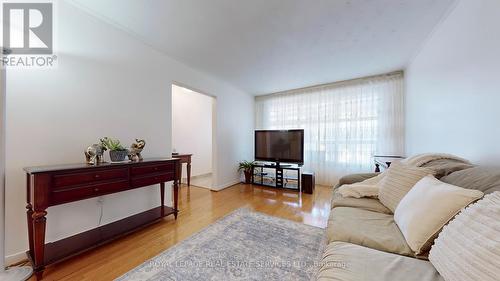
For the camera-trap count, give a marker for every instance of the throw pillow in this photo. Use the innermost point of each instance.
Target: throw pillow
(428, 206)
(397, 181)
(468, 248)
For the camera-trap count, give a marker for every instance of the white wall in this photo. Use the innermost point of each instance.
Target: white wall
(453, 86)
(192, 128)
(107, 84)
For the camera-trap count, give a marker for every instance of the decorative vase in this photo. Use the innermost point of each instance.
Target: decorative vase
(248, 177)
(118, 155)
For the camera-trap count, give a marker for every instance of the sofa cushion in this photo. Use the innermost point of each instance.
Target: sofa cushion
(428, 206)
(348, 262)
(468, 248)
(367, 228)
(369, 204)
(485, 179)
(398, 180)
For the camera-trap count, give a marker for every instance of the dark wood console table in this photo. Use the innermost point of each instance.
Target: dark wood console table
(184, 158)
(54, 185)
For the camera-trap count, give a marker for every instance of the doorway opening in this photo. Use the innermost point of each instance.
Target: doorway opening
(193, 117)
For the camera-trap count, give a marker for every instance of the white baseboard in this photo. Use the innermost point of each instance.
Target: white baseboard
(200, 176)
(15, 258)
(184, 180)
(226, 185)
(204, 187)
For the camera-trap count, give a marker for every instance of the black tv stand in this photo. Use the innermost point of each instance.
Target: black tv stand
(276, 175)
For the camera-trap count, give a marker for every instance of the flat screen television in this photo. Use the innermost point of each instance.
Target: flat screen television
(285, 146)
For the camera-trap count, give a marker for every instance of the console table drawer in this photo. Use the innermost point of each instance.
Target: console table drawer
(150, 180)
(64, 181)
(69, 195)
(151, 169)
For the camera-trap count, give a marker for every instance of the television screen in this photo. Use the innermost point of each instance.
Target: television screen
(280, 146)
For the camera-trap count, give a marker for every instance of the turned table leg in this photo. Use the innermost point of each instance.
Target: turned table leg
(188, 170)
(39, 221)
(29, 217)
(162, 198)
(180, 173)
(176, 197)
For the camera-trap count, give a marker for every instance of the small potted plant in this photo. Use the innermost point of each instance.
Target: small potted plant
(117, 152)
(246, 166)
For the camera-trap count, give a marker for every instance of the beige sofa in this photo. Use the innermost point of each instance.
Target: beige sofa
(365, 244)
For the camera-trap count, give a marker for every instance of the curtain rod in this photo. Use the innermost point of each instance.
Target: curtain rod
(338, 83)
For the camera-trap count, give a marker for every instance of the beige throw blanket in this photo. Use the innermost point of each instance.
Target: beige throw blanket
(366, 188)
(369, 187)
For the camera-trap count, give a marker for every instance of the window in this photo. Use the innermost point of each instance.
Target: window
(345, 123)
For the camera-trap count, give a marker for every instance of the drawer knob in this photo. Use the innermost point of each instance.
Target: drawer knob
(156, 168)
(96, 189)
(97, 176)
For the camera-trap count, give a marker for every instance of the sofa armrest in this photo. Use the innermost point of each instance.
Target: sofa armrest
(354, 178)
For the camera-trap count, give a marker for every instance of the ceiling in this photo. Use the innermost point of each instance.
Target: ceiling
(266, 46)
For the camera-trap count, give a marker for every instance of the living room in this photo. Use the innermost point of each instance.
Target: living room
(309, 99)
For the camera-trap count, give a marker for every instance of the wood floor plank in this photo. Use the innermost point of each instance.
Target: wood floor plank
(199, 207)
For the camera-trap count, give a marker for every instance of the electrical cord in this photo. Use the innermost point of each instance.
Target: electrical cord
(101, 211)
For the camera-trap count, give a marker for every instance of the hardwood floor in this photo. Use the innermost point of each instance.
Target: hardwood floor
(199, 208)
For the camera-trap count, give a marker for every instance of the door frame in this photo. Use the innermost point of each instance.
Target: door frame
(214, 128)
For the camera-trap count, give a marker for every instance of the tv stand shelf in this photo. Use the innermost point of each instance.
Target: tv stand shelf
(278, 176)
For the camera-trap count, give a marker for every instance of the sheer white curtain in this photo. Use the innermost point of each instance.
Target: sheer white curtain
(345, 123)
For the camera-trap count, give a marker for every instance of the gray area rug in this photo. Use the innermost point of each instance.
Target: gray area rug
(244, 245)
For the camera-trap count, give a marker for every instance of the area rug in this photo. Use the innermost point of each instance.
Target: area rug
(244, 245)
